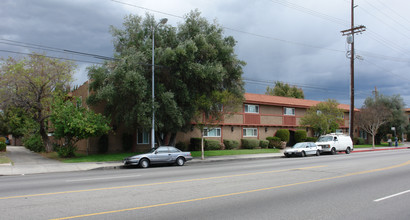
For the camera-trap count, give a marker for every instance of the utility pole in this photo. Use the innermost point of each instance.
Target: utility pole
(350, 33)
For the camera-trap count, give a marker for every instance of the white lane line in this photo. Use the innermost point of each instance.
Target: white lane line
(102, 178)
(391, 196)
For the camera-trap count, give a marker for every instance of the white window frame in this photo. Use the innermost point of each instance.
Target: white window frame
(145, 137)
(285, 112)
(209, 132)
(253, 107)
(250, 132)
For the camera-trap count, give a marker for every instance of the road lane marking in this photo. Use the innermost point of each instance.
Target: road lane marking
(391, 196)
(101, 178)
(159, 183)
(236, 193)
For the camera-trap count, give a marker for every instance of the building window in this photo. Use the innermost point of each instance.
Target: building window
(250, 132)
(251, 108)
(143, 137)
(363, 134)
(212, 132)
(289, 111)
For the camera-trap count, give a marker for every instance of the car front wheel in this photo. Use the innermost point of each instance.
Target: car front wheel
(144, 163)
(303, 154)
(180, 161)
(317, 153)
(333, 152)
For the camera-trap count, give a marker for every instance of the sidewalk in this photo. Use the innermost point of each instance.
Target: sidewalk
(27, 162)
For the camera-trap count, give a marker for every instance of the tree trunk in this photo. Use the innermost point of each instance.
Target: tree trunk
(172, 139)
(46, 140)
(202, 147)
(373, 139)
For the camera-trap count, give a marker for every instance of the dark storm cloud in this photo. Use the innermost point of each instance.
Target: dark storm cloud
(296, 41)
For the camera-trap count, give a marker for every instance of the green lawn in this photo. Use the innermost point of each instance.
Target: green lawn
(369, 145)
(233, 152)
(3, 158)
(120, 156)
(90, 158)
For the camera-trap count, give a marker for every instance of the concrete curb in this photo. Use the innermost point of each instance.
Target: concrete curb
(241, 157)
(383, 149)
(10, 169)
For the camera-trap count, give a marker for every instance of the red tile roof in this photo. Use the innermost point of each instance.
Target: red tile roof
(285, 101)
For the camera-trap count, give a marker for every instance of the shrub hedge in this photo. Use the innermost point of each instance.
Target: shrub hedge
(300, 136)
(311, 139)
(358, 141)
(264, 144)
(231, 144)
(34, 143)
(250, 143)
(212, 145)
(182, 146)
(274, 142)
(3, 146)
(283, 134)
(195, 144)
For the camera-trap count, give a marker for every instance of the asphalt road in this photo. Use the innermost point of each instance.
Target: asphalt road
(373, 185)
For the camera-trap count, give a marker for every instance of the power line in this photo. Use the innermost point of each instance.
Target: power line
(311, 12)
(388, 16)
(83, 61)
(386, 6)
(52, 49)
(382, 21)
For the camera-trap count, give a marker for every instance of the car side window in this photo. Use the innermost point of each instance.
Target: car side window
(162, 150)
(173, 150)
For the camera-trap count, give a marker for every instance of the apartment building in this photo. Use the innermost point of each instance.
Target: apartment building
(261, 116)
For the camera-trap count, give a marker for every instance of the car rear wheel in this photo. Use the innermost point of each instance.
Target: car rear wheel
(303, 154)
(317, 153)
(333, 151)
(144, 163)
(180, 161)
(348, 150)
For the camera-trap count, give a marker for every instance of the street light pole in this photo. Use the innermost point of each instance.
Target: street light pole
(162, 21)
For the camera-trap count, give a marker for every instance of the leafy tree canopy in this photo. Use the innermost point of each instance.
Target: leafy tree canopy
(395, 105)
(192, 61)
(73, 123)
(30, 84)
(324, 117)
(285, 90)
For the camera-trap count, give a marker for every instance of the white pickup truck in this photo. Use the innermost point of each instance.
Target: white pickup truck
(333, 143)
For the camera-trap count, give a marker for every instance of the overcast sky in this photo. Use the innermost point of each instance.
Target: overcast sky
(294, 41)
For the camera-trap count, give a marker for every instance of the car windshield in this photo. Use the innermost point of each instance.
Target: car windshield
(299, 145)
(325, 138)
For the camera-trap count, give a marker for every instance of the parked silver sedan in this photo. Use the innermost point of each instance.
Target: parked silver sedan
(302, 149)
(160, 155)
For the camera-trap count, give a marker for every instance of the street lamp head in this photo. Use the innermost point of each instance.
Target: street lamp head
(163, 20)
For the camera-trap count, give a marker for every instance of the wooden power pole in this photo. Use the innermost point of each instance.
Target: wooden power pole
(350, 33)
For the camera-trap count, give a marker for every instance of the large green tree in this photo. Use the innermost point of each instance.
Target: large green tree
(398, 120)
(192, 61)
(30, 84)
(324, 117)
(72, 123)
(285, 90)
